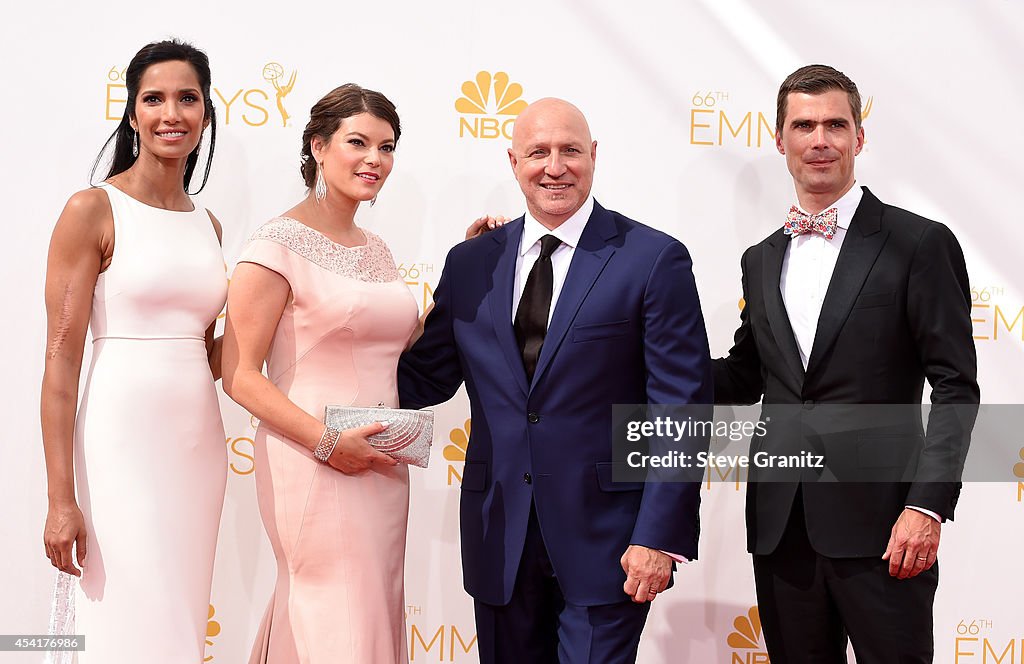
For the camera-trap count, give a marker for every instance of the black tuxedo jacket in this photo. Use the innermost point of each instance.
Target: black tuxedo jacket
(896, 312)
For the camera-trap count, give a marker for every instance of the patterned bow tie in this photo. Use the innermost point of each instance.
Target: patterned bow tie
(823, 223)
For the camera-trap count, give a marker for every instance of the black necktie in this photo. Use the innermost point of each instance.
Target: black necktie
(531, 322)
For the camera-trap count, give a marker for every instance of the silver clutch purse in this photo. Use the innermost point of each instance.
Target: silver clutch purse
(407, 438)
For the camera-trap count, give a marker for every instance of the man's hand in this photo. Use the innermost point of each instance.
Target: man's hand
(647, 572)
(913, 545)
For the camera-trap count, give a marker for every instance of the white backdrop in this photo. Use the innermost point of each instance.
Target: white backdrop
(680, 97)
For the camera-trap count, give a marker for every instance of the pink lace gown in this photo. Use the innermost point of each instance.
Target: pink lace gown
(339, 539)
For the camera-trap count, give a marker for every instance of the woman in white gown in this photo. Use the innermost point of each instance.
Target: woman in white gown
(136, 480)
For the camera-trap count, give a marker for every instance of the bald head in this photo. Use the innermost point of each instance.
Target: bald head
(549, 112)
(553, 157)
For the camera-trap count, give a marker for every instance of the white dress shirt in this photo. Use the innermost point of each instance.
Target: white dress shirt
(807, 270)
(568, 232)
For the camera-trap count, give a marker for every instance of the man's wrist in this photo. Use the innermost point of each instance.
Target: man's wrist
(922, 510)
(675, 556)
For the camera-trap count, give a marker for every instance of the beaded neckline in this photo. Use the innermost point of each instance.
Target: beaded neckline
(366, 237)
(366, 262)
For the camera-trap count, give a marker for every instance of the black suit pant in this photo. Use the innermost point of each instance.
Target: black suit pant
(810, 604)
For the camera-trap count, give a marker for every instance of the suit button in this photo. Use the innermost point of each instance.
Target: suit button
(532, 418)
(527, 478)
(808, 405)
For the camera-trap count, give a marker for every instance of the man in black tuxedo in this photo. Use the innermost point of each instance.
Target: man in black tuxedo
(852, 302)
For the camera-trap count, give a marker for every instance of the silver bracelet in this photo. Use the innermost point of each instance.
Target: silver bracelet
(328, 441)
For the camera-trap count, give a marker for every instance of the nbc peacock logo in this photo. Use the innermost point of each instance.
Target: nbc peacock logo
(489, 105)
(455, 453)
(746, 644)
(212, 630)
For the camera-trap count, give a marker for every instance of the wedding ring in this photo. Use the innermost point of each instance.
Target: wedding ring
(922, 557)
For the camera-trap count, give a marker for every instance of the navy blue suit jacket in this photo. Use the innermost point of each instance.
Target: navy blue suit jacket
(627, 328)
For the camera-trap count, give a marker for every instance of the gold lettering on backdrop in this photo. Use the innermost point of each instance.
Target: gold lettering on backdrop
(991, 326)
(111, 99)
(416, 637)
(974, 320)
(1010, 648)
(254, 106)
(1009, 326)
(750, 658)
(720, 476)
(243, 448)
(465, 126)
(958, 652)
(695, 125)
(970, 643)
(762, 121)
(985, 302)
(418, 644)
(227, 104)
(462, 644)
(723, 121)
(966, 651)
(738, 127)
(765, 131)
(428, 294)
(484, 127)
(489, 128)
(412, 274)
(255, 101)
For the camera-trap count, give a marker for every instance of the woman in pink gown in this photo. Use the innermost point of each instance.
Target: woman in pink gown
(321, 302)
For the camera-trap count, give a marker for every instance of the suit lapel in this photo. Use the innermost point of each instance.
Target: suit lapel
(588, 261)
(864, 240)
(500, 267)
(775, 308)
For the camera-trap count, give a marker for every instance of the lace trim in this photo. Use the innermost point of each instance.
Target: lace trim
(62, 616)
(371, 262)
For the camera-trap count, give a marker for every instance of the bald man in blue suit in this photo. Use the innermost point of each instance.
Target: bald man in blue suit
(550, 320)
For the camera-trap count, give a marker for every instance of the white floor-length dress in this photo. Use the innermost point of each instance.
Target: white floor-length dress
(150, 456)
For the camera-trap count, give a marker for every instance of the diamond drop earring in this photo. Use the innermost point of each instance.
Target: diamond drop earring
(320, 190)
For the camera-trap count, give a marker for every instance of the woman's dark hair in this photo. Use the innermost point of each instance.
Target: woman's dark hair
(151, 54)
(326, 115)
